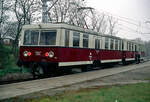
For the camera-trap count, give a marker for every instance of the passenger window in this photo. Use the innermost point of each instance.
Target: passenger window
(31, 37)
(76, 39)
(119, 44)
(112, 44)
(85, 40)
(106, 42)
(135, 48)
(132, 47)
(67, 38)
(116, 44)
(97, 43)
(48, 38)
(129, 46)
(122, 45)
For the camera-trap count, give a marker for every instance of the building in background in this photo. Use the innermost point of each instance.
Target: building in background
(8, 40)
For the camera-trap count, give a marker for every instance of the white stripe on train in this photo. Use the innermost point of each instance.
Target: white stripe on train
(91, 62)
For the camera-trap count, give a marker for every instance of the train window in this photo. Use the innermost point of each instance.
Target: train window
(85, 40)
(48, 38)
(132, 47)
(67, 38)
(116, 44)
(106, 42)
(119, 44)
(122, 45)
(97, 43)
(76, 39)
(31, 37)
(129, 46)
(112, 44)
(135, 48)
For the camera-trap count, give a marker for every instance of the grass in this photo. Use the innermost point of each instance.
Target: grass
(126, 93)
(147, 79)
(8, 62)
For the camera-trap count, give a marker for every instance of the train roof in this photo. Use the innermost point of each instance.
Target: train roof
(64, 26)
(69, 27)
(57, 26)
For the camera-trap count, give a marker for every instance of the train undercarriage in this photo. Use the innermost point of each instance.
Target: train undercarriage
(46, 69)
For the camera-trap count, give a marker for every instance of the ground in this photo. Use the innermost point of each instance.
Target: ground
(141, 75)
(121, 93)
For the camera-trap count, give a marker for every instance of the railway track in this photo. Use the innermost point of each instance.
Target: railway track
(23, 88)
(66, 72)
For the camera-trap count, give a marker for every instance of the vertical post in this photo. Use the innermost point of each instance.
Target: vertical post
(44, 11)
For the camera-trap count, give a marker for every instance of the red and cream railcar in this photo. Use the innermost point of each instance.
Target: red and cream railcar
(51, 46)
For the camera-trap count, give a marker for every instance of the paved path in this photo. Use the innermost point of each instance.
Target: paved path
(23, 88)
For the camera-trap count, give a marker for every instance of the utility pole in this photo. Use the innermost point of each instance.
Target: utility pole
(85, 8)
(45, 10)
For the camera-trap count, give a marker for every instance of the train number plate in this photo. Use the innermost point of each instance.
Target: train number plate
(37, 53)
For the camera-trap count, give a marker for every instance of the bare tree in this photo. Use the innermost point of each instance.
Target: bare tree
(67, 11)
(98, 22)
(102, 25)
(10, 30)
(112, 25)
(4, 8)
(76, 13)
(23, 10)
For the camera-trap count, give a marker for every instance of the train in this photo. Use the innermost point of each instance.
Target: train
(47, 48)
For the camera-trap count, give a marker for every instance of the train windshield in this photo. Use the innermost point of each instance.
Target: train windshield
(48, 38)
(31, 37)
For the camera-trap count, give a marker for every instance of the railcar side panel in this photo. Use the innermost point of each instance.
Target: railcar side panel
(62, 54)
(110, 54)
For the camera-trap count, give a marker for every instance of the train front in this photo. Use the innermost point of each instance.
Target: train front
(38, 49)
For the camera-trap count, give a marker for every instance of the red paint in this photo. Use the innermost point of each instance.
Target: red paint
(71, 54)
(46, 54)
(110, 54)
(129, 54)
(29, 53)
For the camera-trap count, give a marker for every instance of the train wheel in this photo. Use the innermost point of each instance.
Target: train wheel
(87, 68)
(96, 64)
(83, 69)
(38, 72)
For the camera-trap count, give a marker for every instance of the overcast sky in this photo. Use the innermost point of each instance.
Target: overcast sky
(138, 11)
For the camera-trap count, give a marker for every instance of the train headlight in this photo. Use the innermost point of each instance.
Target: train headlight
(46, 54)
(51, 54)
(25, 53)
(29, 53)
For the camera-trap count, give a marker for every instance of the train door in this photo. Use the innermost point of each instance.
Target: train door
(96, 51)
(123, 52)
(97, 47)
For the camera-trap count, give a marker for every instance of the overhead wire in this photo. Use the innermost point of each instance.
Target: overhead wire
(125, 19)
(127, 27)
(129, 21)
